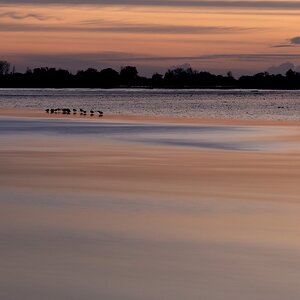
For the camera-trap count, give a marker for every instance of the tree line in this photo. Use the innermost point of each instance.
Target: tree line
(129, 77)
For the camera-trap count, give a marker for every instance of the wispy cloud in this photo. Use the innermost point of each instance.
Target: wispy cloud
(17, 16)
(238, 57)
(122, 27)
(175, 3)
(135, 57)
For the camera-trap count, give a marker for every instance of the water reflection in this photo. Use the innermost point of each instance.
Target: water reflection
(202, 136)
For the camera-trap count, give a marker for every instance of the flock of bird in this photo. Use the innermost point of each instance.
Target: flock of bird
(68, 111)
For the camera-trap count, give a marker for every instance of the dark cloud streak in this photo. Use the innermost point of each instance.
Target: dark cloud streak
(295, 40)
(17, 16)
(126, 28)
(242, 57)
(282, 46)
(131, 57)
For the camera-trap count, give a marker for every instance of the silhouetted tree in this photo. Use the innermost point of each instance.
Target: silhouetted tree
(157, 80)
(109, 78)
(129, 75)
(4, 67)
(290, 74)
(229, 74)
(88, 78)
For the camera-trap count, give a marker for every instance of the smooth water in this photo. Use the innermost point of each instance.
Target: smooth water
(217, 137)
(233, 104)
(135, 211)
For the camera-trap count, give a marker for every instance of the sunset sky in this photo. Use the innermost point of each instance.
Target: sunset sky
(242, 36)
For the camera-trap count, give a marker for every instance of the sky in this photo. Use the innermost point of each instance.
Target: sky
(242, 36)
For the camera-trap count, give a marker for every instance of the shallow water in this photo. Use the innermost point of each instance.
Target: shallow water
(131, 211)
(228, 104)
(222, 137)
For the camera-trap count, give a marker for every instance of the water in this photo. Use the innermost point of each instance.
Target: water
(180, 135)
(105, 210)
(233, 104)
(140, 211)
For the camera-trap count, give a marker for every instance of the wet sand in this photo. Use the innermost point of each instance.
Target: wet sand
(121, 214)
(149, 119)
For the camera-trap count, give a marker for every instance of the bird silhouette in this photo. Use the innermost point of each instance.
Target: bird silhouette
(100, 113)
(66, 111)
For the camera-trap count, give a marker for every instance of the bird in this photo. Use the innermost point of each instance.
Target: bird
(66, 111)
(100, 113)
(47, 110)
(52, 111)
(74, 111)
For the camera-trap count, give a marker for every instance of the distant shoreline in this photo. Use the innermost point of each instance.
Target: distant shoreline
(128, 77)
(250, 90)
(237, 88)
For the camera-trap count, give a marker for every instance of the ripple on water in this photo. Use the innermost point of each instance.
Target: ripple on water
(233, 104)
